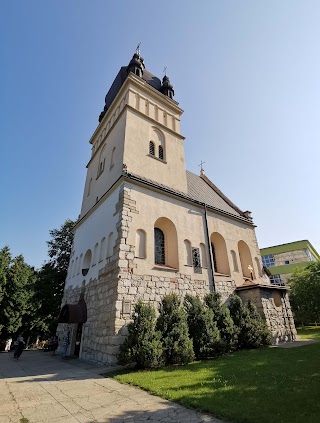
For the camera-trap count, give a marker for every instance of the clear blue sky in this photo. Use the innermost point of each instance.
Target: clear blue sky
(247, 74)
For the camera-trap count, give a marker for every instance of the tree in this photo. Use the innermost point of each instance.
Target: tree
(305, 293)
(143, 345)
(202, 328)
(172, 322)
(225, 324)
(59, 247)
(17, 282)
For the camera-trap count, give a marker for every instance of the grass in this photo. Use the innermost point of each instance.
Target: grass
(255, 386)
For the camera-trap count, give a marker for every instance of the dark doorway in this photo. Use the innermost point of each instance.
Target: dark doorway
(78, 340)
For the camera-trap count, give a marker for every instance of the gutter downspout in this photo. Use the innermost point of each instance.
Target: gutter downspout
(209, 245)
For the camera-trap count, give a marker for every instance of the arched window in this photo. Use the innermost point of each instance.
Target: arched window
(246, 260)
(159, 247)
(112, 157)
(102, 248)
(89, 187)
(140, 244)
(86, 263)
(160, 152)
(95, 254)
(151, 148)
(220, 255)
(188, 252)
(110, 245)
(71, 269)
(258, 266)
(76, 267)
(102, 160)
(203, 252)
(234, 261)
(166, 243)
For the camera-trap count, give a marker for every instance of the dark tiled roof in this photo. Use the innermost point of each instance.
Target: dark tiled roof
(203, 190)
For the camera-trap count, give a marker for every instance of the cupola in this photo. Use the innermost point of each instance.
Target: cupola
(136, 64)
(166, 87)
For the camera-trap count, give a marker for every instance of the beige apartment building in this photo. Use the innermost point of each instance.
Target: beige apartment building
(148, 226)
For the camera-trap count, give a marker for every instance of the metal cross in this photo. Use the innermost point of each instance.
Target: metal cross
(165, 70)
(200, 165)
(138, 48)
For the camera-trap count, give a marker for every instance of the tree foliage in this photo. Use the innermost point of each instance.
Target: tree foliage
(59, 247)
(143, 345)
(305, 293)
(203, 329)
(172, 323)
(228, 330)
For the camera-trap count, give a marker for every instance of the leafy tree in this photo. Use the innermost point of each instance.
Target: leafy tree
(143, 345)
(172, 322)
(253, 332)
(59, 247)
(202, 328)
(17, 288)
(305, 293)
(225, 324)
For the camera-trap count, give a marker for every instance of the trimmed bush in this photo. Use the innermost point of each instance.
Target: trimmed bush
(202, 328)
(172, 323)
(253, 332)
(228, 330)
(143, 345)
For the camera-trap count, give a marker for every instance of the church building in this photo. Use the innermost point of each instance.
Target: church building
(149, 227)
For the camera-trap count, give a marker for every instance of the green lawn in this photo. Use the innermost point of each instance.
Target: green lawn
(255, 386)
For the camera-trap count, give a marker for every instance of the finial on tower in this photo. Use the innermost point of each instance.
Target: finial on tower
(201, 168)
(165, 71)
(138, 49)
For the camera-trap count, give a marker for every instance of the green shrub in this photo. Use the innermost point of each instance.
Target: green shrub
(225, 324)
(172, 323)
(253, 332)
(143, 345)
(202, 328)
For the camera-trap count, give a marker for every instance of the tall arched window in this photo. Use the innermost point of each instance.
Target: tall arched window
(89, 187)
(71, 269)
(102, 248)
(203, 252)
(188, 252)
(166, 243)
(76, 267)
(95, 254)
(140, 244)
(110, 245)
(220, 255)
(234, 261)
(151, 148)
(246, 260)
(102, 160)
(112, 157)
(159, 247)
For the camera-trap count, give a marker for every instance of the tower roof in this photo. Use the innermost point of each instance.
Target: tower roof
(147, 76)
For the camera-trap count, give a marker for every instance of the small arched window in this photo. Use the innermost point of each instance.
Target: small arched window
(161, 152)
(112, 157)
(95, 254)
(140, 244)
(102, 160)
(89, 187)
(151, 148)
(71, 269)
(203, 251)
(102, 247)
(159, 247)
(110, 245)
(234, 261)
(188, 252)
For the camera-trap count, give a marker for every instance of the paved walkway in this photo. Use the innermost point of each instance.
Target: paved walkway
(42, 388)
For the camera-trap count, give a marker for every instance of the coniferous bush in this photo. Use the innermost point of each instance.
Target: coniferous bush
(228, 330)
(253, 332)
(143, 344)
(172, 323)
(202, 328)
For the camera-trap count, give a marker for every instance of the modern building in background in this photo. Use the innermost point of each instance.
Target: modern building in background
(282, 260)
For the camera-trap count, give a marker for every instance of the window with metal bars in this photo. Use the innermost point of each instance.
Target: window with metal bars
(196, 260)
(160, 152)
(151, 148)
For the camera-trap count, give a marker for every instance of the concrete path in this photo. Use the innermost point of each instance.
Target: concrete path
(42, 388)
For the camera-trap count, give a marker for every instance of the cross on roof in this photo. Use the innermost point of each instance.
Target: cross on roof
(138, 48)
(201, 166)
(165, 70)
